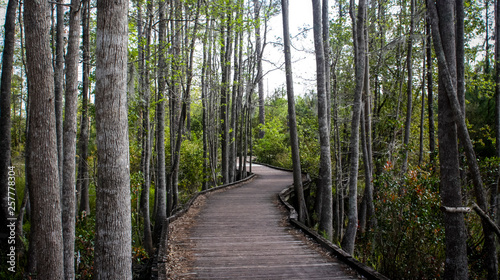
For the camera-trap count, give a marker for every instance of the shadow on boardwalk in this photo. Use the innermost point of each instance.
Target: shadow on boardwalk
(239, 234)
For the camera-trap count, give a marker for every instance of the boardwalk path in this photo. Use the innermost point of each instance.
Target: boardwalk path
(237, 235)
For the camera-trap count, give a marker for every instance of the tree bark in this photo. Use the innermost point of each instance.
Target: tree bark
(161, 188)
(358, 37)
(409, 89)
(325, 168)
(430, 90)
(59, 84)
(294, 139)
(83, 142)
(455, 237)
(43, 173)
(5, 119)
(69, 138)
(113, 222)
(258, 52)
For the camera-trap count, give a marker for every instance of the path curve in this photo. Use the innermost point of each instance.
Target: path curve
(238, 235)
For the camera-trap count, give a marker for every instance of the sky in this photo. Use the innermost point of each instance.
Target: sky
(303, 60)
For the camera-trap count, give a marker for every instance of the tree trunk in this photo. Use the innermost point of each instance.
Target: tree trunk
(161, 187)
(326, 46)
(258, 52)
(358, 37)
(43, 178)
(409, 90)
(455, 237)
(5, 120)
(83, 142)
(69, 138)
(294, 139)
(497, 103)
(325, 168)
(430, 98)
(59, 84)
(113, 222)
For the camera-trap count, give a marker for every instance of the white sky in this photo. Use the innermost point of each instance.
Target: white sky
(304, 64)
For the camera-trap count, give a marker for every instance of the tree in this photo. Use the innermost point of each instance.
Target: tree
(59, 83)
(43, 168)
(257, 5)
(297, 172)
(359, 58)
(5, 119)
(113, 222)
(69, 138)
(325, 168)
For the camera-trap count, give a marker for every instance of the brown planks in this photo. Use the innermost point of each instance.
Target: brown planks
(238, 236)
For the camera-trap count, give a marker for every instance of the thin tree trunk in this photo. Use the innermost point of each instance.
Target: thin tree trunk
(443, 26)
(422, 109)
(497, 105)
(358, 37)
(161, 187)
(430, 98)
(325, 168)
(59, 84)
(83, 170)
(258, 52)
(46, 223)
(5, 120)
(69, 138)
(113, 222)
(294, 139)
(409, 90)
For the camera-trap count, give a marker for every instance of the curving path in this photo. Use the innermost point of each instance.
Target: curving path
(237, 235)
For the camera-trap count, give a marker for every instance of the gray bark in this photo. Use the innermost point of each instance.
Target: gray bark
(113, 222)
(358, 37)
(258, 53)
(294, 139)
(69, 138)
(44, 187)
(59, 84)
(5, 120)
(455, 237)
(325, 168)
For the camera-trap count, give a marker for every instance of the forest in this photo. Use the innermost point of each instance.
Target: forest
(113, 114)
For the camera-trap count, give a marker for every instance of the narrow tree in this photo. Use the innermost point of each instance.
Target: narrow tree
(59, 83)
(113, 221)
(45, 196)
(456, 254)
(258, 52)
(325, 166)
(294, 139)
(5, 121)
(69, 138)
(359, 58)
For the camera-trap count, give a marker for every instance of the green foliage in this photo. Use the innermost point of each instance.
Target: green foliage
(408, 242)
(84, 246)
(273, 148)
(191, 167)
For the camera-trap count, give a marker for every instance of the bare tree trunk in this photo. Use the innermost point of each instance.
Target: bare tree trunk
(325, 168)
(43, 178)
(358, 37)
(69, 138)
(161, 187)
(294, 139)
(258, 52)
(5, 120)
(497, 105)
(422, 108)
(113, 222)
(455, 240)
(409, 89)
(430, 98)
(326, 46)
(59, 84)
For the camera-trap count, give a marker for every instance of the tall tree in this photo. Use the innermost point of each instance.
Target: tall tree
(59, 83)
(257, 5)
(113, 222)
(325, 168)
(430, 97)
(409, 88)
(69, 138)
(359, 58)
(5, 120)
(294, 139)
(443, 26)
(83, 141)
(161, 186)
(43, 168)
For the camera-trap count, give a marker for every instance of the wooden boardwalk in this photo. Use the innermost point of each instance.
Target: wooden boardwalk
(239, 235)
